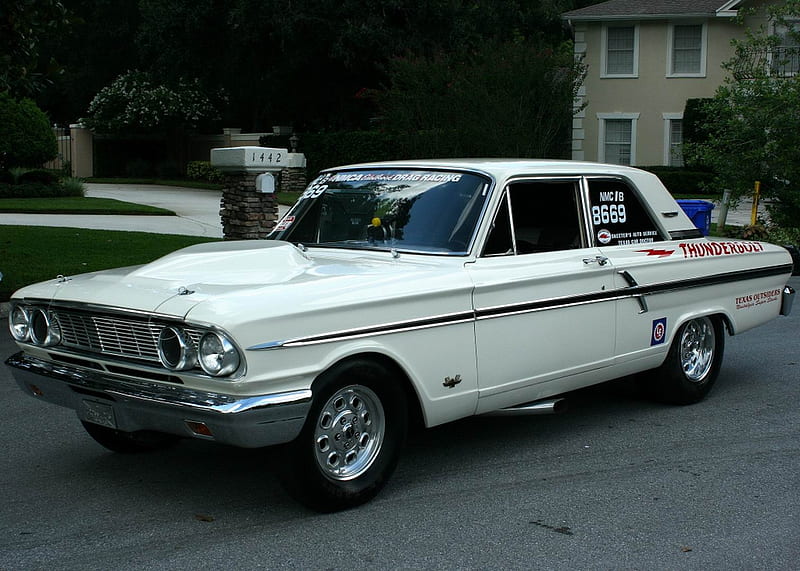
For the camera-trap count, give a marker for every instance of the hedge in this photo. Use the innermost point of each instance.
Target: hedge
(325, 150)
(679, 180)
(38, 183)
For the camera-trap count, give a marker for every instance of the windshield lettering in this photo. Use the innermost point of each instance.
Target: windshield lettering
(401, 209)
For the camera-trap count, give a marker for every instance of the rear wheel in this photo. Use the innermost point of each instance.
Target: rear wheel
(128, 442)
(692, 364)
(350, 443)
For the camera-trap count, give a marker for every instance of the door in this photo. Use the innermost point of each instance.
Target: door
(543, 297)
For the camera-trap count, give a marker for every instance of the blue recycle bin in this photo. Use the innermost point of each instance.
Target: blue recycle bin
(700, 213)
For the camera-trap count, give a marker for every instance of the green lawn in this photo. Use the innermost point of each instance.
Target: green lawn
(78, 205)
(31, 254)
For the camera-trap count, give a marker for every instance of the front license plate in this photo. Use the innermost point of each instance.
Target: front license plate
(99, 413)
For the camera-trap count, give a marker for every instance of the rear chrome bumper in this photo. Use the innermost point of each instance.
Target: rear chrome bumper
(787, 300)
(246, 421)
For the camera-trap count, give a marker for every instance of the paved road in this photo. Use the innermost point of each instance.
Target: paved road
(615, 483)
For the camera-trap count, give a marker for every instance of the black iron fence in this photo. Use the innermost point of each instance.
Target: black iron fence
(63, 160)
(777, 62)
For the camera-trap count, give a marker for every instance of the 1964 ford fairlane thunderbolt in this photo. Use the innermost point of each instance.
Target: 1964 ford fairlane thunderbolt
(395, 292)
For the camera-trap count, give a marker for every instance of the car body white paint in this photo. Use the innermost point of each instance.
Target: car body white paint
(511, 329)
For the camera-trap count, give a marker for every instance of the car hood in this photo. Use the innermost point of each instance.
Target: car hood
(228, 271)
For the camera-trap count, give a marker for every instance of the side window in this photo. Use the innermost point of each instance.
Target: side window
(544, 217)
(618, 216)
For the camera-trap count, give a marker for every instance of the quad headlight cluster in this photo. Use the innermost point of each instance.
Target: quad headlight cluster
(178, 349)
(215, 353)
(34, 325)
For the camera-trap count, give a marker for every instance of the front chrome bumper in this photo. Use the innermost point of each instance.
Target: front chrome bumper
(246, 421)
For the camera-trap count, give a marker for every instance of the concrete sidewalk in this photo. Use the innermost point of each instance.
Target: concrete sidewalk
(197, 211)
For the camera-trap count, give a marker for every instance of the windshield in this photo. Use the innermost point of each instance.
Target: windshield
(403, 209)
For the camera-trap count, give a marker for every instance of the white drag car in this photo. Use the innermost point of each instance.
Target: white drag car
(422, 291)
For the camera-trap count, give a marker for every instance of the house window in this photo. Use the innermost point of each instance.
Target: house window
(687, 50)
(673, 139)
(676, 143)
(617, 138)
(621, 51)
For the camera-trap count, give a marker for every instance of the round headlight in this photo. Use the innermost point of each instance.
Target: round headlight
(176, 350)
(43, 329)
(218, 356)
(19, 323)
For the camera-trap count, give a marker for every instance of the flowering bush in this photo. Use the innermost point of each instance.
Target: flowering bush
(135, 102)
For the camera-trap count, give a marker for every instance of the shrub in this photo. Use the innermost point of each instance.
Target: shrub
(136, 101)
(29, 190)
(73, 186)
(679, 180)
(325, 150)
(26, 138)
(202, 170)
(37, 189)
(15, 174)
(39, 175)
(139, 168)
(168, 169)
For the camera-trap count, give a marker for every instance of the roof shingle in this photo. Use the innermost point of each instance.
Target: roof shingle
(646, 8)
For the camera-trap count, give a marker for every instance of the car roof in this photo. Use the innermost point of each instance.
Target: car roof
(502, 171)
(504, 168)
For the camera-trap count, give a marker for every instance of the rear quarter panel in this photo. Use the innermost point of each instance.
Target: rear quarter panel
(680, 280)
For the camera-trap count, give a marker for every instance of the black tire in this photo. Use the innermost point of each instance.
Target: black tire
(350, 443)
(692, 364)
(128, 442)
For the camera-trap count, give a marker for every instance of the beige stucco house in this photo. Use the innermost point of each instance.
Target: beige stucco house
(645, 58)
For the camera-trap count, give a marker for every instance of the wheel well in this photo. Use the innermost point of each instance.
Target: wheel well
(722, 318)
(726, 322)
(415, 417)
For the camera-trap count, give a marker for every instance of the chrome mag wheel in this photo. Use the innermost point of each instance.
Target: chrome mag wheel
(697, 346)
(349, 432)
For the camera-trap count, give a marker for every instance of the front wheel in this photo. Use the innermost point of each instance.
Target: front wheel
(692, 364)
(351, 440)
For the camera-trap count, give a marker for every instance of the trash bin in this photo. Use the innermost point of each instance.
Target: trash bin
(700, 213)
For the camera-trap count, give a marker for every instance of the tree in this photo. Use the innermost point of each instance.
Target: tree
(136, 103)
(503, 99)
(23, 25)
(97, 46)
(302, 62)
(26, 139)
(754, 130)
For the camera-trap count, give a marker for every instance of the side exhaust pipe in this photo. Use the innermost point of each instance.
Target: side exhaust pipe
(553, 406)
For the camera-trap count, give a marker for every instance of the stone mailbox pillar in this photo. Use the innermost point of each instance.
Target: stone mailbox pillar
(249, 207)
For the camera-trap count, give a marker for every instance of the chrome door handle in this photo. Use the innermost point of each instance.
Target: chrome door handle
(599, 260)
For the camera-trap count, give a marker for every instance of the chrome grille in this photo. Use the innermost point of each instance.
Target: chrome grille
(112, 335)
